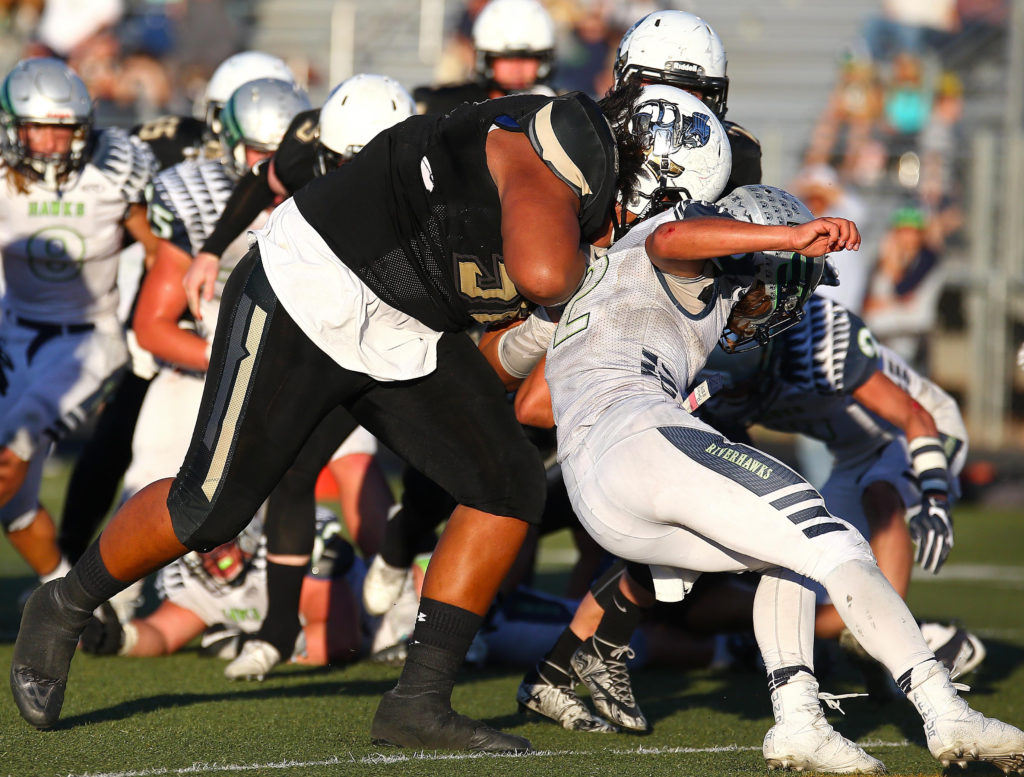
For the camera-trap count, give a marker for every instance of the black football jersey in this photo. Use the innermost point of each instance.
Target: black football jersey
(442, 99)
(295, 157)
(746, 157)
(416, 214)
(172, 139)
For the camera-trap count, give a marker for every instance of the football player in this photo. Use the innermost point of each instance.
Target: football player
(98, 471)
(630, 341)
(351, 298)
(222, 595)
(514, 48)
(70, 193)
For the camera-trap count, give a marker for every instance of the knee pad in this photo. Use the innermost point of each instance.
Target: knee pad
(201, 525)
(837, 548)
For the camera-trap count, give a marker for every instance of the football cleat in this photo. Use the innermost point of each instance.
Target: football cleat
(220, 640)
(425, 722)
(42, 656)
(254, 662)
(959, 650)
(802, 739)
(601, 666)
(560, 704)
(958, 734)
(382, 586)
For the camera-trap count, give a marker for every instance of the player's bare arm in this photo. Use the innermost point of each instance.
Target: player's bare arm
(533, 400)
(199, 281)
(539, 221)
(681, 247)
(137, 224)
(161, 304)
(884, 398)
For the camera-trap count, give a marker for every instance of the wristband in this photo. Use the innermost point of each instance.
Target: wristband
(131, 639)
(928, 460)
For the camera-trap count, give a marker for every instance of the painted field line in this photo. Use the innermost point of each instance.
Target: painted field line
(386, 758)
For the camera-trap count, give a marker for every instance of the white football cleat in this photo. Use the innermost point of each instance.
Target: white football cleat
(254, 662)
(802, 739)
(562, 705)
(601, 666)
(957, 649)
(382, 586)
(958, 734)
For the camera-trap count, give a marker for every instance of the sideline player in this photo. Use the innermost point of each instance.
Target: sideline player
(514, 48)
(357, 270)
(628, 344)
(70, 191)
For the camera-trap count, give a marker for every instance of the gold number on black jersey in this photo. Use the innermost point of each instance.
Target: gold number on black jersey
(308, 131)
(164, 127)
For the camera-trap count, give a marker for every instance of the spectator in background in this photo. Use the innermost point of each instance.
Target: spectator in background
(941, 143)
(911, 26)
(67, 25)
(902, 302)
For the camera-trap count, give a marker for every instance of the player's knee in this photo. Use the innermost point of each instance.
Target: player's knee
(511, 484)
(201, 523)
(883, 508)
(839, 548)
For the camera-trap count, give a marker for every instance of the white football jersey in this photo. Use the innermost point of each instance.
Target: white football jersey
(623, 335)
(186, 202)
(60, 249)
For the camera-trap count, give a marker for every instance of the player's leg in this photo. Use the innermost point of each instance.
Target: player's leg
(267, 388)
(801, 737)
(456, 427)
(290, 527)
(362, 491)
(34, 536)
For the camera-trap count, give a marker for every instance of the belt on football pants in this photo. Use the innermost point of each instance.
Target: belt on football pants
(46, 331)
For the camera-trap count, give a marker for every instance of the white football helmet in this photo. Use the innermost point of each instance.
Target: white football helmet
(44, 91)
(688, 156)
(231, 74)
(783, 279)
(355, 112)
(257, 115)
(677, 48)
(514, 28)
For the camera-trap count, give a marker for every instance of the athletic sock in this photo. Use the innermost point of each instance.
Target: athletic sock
(62, 568)
(554, 668)
(619, 621)
(89, 584)
(281, 626)
(437, 648)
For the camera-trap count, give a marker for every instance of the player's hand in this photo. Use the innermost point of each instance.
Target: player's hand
(200, 280)
(5, 365)
(103, 634)
(824, 235)
(931, 528)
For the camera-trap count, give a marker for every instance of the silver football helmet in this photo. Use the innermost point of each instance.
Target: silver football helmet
(514, 28)
(257, 115)
(355, 112)
(44, 91)
(231, 74)
(677, 48)
(782, 280)
(687, 151)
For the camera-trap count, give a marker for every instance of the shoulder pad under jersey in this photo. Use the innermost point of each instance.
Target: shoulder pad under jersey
(190, 197)
(125, 160)
(831, 351)
(576, 142)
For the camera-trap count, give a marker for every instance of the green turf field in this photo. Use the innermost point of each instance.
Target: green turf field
(178, 715)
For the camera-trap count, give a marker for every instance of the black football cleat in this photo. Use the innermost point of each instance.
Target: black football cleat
(424, 722)
(42, 655)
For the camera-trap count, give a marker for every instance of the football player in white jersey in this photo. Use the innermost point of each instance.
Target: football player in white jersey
(897, 440)
(222, 595)
(69, 193)
(629, 343)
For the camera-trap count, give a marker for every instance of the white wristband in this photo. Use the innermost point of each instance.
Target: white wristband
(131, 639)
(928, 461)
(520, 348)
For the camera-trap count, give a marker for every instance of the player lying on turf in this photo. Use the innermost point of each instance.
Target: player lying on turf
(222, 596)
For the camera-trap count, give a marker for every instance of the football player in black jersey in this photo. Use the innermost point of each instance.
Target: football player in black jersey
(514, 45)
(172, 139)
(359, 293)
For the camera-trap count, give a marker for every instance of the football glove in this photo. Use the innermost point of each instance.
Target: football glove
(931, 529)
(103, 634)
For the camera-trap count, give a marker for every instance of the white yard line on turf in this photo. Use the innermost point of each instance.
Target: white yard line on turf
(385, 758)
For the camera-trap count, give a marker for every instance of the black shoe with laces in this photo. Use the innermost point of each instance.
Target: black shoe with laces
(601, 666)
(426, 722)
(46, 643)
